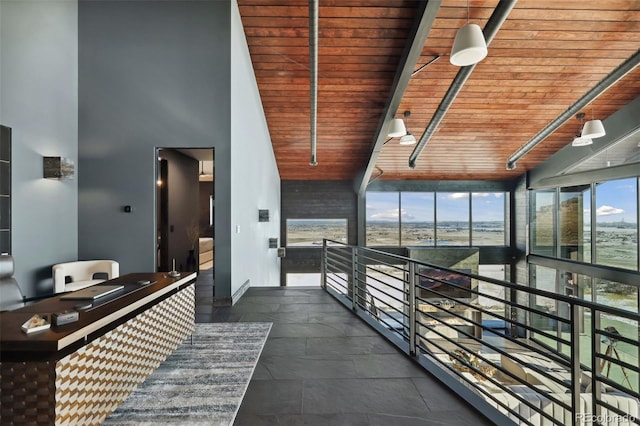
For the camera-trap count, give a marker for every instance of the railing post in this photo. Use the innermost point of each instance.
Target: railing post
(596, 391)
(576, 372)
(323, 265)
(412, 308)
(354, 278)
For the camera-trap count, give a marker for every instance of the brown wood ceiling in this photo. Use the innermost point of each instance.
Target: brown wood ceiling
(546, 55)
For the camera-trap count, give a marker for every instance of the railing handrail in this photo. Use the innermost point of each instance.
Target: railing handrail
(359, 269)
(519, 287)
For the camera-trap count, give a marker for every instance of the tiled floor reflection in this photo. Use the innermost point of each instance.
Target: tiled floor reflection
(322, 365)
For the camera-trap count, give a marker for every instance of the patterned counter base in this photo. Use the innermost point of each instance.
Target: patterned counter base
(200, 383)
(92, 381)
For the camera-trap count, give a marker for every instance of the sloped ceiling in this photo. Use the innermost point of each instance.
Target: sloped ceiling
(545, 56)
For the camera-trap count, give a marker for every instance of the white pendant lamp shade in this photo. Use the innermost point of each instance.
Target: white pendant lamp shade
(581, 141)
(397, 128)
(469, 46)
(593, 129)
(407, 139)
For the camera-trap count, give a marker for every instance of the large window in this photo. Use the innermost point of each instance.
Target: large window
(592, 223)
(436, 219)
(617, 223)
(543, 227)
(452, 212)
(498, 272)
(417, 220)
(575, 223)
(488, 219)
(311, 232)
(383, 219)
(599, 290)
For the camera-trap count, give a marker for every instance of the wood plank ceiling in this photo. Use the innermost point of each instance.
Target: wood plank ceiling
(546, 56)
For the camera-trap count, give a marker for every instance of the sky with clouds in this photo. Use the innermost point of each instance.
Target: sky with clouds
(617, 200)
(419, 206)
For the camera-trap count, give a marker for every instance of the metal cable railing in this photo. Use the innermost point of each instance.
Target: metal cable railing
(494, 342)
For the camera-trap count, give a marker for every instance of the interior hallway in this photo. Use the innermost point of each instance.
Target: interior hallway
(322, 365)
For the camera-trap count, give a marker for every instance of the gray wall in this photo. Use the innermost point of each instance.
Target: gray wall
(152, 74)
(107, 82)
(38, 83)
(172, 74)
(255, 181)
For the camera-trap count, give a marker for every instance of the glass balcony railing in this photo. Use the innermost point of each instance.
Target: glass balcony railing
(495, 343)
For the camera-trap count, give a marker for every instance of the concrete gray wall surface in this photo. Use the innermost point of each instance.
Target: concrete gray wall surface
(38, 83)
(152, 74)
(105, 83)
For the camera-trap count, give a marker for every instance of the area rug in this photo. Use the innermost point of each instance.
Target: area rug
(201, 383)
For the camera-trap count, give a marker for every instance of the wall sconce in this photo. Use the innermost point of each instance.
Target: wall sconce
(263, 215)
(57, 168)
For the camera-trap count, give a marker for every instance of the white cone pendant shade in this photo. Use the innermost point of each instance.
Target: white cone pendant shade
(469, 46)
(581, 141)
(407, 139)
(593, 129)
(397, 128)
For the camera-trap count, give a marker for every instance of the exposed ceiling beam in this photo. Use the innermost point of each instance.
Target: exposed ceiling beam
(494, 23)
(425, 16)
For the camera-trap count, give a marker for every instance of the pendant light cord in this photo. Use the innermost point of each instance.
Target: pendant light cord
(467, 11)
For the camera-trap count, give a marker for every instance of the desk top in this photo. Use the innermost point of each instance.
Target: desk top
(104, 312)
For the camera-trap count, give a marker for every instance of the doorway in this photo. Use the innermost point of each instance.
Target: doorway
(185, 202)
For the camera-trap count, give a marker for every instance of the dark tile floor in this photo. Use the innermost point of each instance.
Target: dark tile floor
(322, 365)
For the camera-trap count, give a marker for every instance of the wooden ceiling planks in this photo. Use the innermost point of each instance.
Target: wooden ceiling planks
(360, 43)
(517, 89)
(546, 56)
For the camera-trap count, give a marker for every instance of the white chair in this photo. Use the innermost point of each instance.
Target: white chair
(73, 276)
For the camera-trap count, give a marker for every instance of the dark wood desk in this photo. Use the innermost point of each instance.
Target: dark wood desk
(80, 372)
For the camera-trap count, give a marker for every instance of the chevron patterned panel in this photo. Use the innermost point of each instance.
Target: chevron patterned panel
(93, 381)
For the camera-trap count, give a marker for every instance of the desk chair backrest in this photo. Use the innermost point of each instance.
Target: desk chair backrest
(11, 296)
(73, 276)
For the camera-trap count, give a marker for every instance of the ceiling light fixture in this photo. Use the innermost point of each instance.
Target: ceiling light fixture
(593, 128)
(469, 46)
(579, 140)
(406, 138)
(397, 128)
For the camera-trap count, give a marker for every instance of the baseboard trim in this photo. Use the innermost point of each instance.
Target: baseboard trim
(238, 294)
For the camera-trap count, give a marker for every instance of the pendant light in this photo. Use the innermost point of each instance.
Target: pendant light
(593, 128)
(406, 137)
(580, 140)
(397, 128)
(469, 46)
